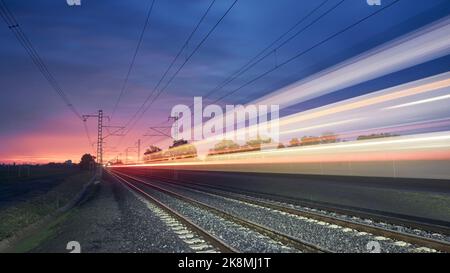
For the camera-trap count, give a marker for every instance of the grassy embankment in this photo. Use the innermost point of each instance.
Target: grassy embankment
(24, 213)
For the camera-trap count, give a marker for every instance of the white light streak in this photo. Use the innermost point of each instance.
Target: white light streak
(419, 102)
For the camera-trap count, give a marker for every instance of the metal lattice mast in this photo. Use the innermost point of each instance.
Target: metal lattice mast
(100, 138)
(139, 150)
(175, 119)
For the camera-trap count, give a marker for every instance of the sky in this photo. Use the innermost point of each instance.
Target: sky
(88, 49)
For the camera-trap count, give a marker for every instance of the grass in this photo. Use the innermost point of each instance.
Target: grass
(28, 212)
(34, 240)
(11, 174)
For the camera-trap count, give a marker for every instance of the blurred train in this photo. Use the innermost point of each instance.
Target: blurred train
(413, 156)
(173, 153)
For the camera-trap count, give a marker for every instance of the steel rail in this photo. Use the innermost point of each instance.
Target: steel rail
(439, 245)
(214, 241)
(274, 234)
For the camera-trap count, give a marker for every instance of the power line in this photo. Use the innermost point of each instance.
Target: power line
(20, 35)
(307, 50)
(133, 59)
(14, 26)
(86, 130)
(188, 58)
(100, 138)
(132, 122)
(284, 42)
(247, 66)
(251, 63)
(172, 63)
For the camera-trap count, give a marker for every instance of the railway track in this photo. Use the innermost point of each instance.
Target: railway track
(182, 225)
(275, 235)
(439, 245)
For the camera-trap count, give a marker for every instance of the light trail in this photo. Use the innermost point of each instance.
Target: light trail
(436, 124)
(439, 140)
(430, 151)
(428, 43)
(379, 112)
(363, 115)
(425, 44)
(406, 90)
(359, 114)
(424, 155)
(420, 102)
(325, 125)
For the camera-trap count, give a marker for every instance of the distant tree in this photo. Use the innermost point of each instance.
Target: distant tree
(181, 151)
(152, 149)
(329, 137)
(372, 136)
(294, 142)
(256, 143)
(310, 140)
(179, 142)
(87, 162)
(226, 145)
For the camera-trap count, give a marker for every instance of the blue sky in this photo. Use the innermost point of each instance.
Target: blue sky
(89, 48)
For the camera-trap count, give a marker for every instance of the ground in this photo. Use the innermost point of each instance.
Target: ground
(25, 200)
(417, 198)
(108, 219)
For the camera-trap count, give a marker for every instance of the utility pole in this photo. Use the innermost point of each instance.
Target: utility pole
(175, 118)
(100, 137)
(126, 153)
(99, 117)
(139, 151)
